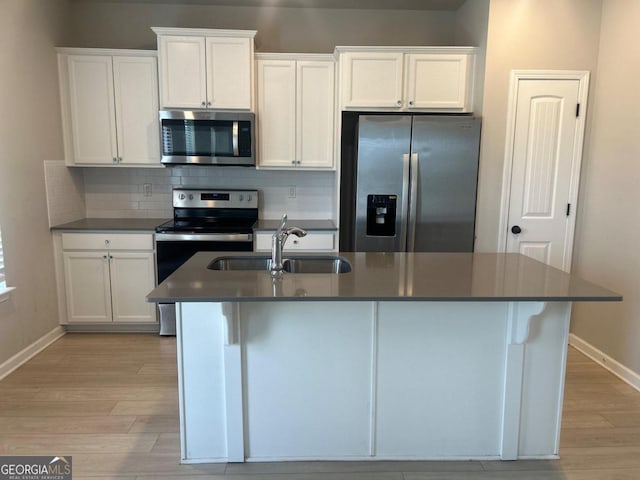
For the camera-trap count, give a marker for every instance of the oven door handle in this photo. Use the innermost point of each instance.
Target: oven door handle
(204, 237)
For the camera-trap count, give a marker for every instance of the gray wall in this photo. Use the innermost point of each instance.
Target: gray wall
(29, 133)
(608, 232)
(545, 34)
(126, 25)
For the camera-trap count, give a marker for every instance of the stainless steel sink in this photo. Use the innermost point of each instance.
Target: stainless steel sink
(325, 264)
(240, 263)
(310, 264)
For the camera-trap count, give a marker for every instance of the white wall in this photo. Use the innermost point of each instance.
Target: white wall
(29, 133)
(607, 247)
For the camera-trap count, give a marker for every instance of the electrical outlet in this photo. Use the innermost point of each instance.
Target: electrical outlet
(292, 191)
(146, 189)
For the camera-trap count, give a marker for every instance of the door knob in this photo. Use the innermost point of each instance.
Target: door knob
(516, 230)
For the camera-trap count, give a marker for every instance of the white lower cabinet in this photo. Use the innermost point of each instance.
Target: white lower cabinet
(316, 241)
(107, 278)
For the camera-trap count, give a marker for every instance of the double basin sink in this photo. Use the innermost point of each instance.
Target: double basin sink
(310, 264)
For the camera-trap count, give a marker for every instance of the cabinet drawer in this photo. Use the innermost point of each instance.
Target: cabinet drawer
(321, 241)
(110, 241)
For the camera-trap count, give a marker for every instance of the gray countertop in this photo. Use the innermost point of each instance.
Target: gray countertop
(149, 224)
(112, 224)
(385, 277)
(271, 225)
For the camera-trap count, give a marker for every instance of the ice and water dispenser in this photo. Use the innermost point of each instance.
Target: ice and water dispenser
(381, 215)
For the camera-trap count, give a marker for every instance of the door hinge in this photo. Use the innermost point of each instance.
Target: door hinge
(568, 209)
(577, 110)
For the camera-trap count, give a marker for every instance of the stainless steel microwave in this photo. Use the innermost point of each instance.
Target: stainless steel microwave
(202, 137)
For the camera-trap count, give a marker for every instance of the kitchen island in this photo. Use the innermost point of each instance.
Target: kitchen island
(406, 356)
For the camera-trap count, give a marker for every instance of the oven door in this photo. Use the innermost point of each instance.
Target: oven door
(173, 249)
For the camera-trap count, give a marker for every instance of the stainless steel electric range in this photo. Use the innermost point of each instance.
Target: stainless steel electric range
(203, 220)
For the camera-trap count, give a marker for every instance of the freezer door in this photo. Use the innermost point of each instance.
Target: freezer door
(382, 182)
(444, 178)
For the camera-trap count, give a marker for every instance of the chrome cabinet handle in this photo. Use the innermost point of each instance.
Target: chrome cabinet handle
(399, 102)
(115, 159)
(411, 102)
(203, 104)
(208, 104)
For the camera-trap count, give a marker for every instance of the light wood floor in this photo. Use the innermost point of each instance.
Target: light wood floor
(110, 401)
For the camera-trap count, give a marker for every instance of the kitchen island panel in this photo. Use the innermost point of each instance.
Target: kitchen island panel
(307, 379)
(201, 365)
(440, 377)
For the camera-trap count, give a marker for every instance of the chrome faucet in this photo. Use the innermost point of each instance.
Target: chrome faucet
(277, 244)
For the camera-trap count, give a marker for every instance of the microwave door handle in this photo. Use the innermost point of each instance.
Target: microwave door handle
(236, 152)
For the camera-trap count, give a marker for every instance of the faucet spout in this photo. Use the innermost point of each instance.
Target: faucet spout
(277, 244)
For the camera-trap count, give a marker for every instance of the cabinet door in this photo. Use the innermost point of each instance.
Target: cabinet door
(136, 98)
(276, 113)
(87, 287)
(92, 111)
(132, 278)
(371, 79)
(315, 108)
(438, 81)
(183, 81)
(229, 72)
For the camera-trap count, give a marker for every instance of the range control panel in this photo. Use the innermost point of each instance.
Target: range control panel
(210, 198)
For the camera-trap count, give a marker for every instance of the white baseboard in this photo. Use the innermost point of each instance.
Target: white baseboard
(31, 351)
(619, 370)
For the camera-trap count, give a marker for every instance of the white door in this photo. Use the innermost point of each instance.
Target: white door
(136, 99)
(132, 278)
(545, 168)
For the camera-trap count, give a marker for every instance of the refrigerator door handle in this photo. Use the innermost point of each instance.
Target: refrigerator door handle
(405, 200)
(413, 203)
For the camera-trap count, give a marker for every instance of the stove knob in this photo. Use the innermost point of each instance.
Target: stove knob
(182, 196)
(190, 196)
(249, 198)
(241, 197)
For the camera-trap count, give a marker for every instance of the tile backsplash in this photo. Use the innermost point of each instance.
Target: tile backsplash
(121, 192)
(65, 192)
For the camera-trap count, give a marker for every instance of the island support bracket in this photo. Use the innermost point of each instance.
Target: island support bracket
(520, 315)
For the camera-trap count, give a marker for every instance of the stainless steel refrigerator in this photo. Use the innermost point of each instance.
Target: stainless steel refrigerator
(410, 184)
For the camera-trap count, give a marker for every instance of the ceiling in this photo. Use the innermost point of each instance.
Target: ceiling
(447, 5)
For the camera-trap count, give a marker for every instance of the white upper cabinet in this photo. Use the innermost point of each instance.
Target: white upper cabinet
(183, 77)
(437, 81)
(407, 78)
(109, 107)
(296, 110)
(204, 68)
(371, 79)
